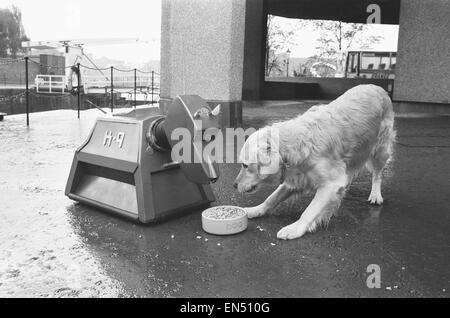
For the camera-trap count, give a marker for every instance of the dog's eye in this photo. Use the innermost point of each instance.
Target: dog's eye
(244, 166)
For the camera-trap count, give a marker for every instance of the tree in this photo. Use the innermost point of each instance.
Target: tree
(278, 40)
(337, 37)
(12, 32)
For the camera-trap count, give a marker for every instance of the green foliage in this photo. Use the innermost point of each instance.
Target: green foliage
(11, 32)
(277, 40)
(337, 37)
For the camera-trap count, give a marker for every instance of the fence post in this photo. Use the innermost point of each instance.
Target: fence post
(153, 83)
(106, 96)
(79, 88)
(112, 89)
(27, 91)
(135, 79)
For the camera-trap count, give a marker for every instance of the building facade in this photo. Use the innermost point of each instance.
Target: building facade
(216, 49)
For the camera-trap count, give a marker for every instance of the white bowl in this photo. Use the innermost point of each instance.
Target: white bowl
(224, 226)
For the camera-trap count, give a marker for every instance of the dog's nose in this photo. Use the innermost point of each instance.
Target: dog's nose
(235, 185)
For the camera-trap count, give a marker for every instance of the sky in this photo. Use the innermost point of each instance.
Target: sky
(75, 19)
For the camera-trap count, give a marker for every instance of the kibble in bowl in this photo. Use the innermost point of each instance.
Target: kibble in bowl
(224, 220)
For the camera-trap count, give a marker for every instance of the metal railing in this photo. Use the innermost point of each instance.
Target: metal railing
(98, 81)
(50, 83)
(136, 85)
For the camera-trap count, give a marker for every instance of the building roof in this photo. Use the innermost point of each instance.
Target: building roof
(340, 10)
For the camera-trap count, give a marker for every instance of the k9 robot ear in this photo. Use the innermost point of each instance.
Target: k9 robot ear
(216, 111)
(202, 112)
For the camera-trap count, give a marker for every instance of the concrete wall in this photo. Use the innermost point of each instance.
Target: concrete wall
(316, 88)
(38, 103)
(202, 48)
(215, 48)
(423, 59)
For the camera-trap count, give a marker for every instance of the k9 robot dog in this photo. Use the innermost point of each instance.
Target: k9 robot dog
(125, 165)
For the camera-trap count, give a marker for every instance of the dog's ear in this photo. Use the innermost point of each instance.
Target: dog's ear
(268, 154)
(268, 162)
(304, 151)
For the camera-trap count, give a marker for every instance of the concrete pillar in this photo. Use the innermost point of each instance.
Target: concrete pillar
(202, 52)
(423, 59)
(254, 49)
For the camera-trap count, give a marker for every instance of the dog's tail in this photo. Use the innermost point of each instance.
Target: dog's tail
(387, 134)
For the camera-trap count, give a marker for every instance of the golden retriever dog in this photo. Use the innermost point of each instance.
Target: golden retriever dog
(322, 151)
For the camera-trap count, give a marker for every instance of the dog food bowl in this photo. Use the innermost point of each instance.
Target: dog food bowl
(224, 220)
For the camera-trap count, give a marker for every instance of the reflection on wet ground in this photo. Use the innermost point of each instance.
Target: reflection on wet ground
(51, 246)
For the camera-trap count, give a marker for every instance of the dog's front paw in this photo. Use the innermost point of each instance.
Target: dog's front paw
(375, 198)
(291, 232)
(255, 212)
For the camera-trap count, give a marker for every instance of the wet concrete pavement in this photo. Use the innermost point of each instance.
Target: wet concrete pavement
(51, 246)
